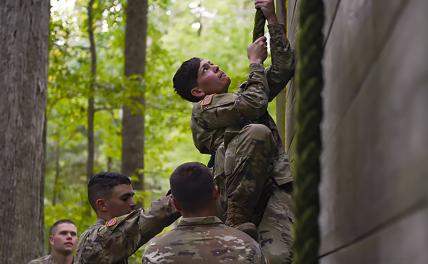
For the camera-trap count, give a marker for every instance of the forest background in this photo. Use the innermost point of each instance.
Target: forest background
(176, 30)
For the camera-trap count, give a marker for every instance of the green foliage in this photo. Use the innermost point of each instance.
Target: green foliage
(177, 30)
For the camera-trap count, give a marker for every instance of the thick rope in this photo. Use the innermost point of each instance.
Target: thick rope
(309, 75)
(259, 24)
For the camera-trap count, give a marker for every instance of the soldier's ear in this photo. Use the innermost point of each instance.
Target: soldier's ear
(216, 192)
(176, 204)
(197, 92)
(100, 205)
(51, 242)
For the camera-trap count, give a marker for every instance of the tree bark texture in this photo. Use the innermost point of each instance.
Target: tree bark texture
(133, 116)
(280, 98)
(24, 29)
(91, 94)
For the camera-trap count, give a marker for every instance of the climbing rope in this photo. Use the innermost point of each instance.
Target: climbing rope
(259, 24)
(309, 77)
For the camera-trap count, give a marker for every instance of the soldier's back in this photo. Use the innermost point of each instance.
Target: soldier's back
(203, 240)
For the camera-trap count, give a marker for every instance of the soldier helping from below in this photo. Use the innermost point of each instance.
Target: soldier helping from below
(120, 230)
(62, 240)
(200, 237)
(251, 166)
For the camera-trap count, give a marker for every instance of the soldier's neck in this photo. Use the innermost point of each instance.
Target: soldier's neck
(61, 259)
(208, 211)
(104, 216)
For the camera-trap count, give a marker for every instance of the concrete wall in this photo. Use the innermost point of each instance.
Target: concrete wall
(374, 190)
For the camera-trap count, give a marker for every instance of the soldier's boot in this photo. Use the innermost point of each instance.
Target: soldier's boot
(238, 217)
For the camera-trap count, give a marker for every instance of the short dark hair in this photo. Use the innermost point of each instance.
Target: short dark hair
(192, 185)
(62, 221)
(101, 184)
(185, 79)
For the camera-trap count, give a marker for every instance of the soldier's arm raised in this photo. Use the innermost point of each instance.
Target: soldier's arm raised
(282, 56)
(283, 61)
(228, 109)
(122, 236)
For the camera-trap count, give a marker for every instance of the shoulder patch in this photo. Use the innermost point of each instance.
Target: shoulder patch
(207, 100)
(111, 222)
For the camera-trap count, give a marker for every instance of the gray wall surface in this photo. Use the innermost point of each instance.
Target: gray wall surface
(374, 189)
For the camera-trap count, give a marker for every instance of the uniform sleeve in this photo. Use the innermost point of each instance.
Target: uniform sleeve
(205, 141)
(283, 61)
(228, 109)
(116, 243)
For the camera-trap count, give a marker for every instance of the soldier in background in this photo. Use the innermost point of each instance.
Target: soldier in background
(120, 229)
(62, 240)
(251, 167)
(200, 237)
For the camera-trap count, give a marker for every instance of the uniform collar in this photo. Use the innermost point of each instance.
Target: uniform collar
(100, 221)
(207, 220)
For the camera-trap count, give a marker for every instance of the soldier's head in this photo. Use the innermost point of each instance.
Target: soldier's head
(197, 78)
(193, 190)
(63, 237)
(110, 195)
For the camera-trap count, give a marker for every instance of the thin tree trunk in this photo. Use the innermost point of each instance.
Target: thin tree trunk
(24, 29)
(109, 163)
(91, 94)
(280, 98)
(133, 116)
(57, 172)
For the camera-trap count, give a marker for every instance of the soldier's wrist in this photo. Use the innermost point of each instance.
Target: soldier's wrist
(256, 67)
(272, 20)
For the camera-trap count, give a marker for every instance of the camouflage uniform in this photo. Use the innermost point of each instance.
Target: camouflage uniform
(203, 240)
(119, 238)
(48, 259)
(251, 167)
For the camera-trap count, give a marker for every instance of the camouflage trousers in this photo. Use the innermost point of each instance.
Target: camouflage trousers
(242, 169)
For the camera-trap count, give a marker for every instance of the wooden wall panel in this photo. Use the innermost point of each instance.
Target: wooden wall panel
(374, 128)
(399, 243)
(375, 131)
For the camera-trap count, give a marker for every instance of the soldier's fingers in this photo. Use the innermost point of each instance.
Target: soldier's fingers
(260, 3)
(261, 39)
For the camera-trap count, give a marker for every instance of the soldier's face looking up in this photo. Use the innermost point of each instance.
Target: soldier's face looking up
(121, 200)
(64, 238)
(211, 80)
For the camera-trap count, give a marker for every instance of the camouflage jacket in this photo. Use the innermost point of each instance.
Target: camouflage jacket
(219, 117)
(48, 259)
(119, 238)
(203, 240)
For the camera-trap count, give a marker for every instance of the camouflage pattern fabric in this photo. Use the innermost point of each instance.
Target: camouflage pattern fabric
(251, 166)
(43, 260)
(275, 227)
(119, 238)
(223, 118)
(274, 217)
(203, 240)
(247, 159)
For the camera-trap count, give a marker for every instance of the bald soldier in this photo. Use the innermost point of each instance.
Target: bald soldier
(251, 167)
(62, 241)
(120, 229)
(200, 237)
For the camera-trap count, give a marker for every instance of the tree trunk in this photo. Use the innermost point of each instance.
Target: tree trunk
(57, 171)
(24, 29)
(91, 94)
(133, 116)
(280, 98)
